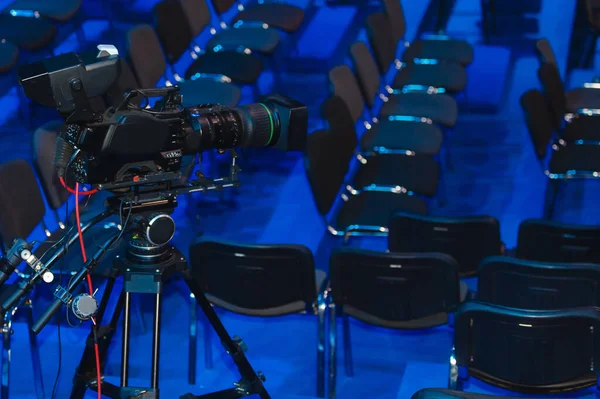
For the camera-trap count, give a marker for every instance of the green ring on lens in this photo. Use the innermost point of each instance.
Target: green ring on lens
(270, 120)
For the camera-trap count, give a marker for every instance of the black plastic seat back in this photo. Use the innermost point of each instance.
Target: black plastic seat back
(545, 52)
(549, 241)
(44, 143)
(527, 284)
(467, 239)
(366, 71)
(337, 114)
(198, 15)
(173, 28)
(125, 82)
(437, 393)
(145, 55)
(345, 85)
(528, 350)
(222, 6)
(395, 13)
(554, 91)
(381, 38)
(252, 279)
(328, 154)
(21, 204)
(391, 289)
(538, 121)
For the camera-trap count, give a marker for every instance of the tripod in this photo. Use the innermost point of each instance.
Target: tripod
(149, 262)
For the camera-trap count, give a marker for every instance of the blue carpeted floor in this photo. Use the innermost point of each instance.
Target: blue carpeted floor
(495, 172)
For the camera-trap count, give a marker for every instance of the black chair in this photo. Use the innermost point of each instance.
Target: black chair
(580, 100)
(467, 239)
(149, 65)
(436, 393)
(57, 11)
(327, 162)
(450, 77)
(406, 172)
(431, 47)
(408, 138)
(440, 108)
(254, 36)
(9, 55)
(175, 34)
(21, 210)
(418, 290)
(282, 16)
(526, 284)
(530, 351)
(566, 162)
(545, 53)
(232, 274)
(592, 11)
(548, 241)
(28, 33)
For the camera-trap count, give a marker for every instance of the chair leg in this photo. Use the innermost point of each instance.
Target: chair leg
(332, 351)
(208, 357)
(35, 352)
(6, 334)
(348, 363)
(552, 190)
(321, 344)
(193, 340)
(453, 372)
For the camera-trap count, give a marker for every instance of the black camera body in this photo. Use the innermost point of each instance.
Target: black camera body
(134, 145)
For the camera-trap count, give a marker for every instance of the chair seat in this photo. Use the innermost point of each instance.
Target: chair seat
(582, 128)
(422, 138)
(458, 51)
(57, 10)
(374, 208)
(209, 91)
(240, 67)
(452, 77)
(440, 108)
(9, 54)
(282, 16)
(582, 98)
(255, 38)
(417, 173)
(580, 158)
(27, 33)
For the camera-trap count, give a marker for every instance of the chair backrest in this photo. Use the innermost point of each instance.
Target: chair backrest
(146, 55)
(21, 204)
(527, 349)
(467, 239)
(366, 71)
(173, 28)
(198, 15)
(328, 154)
(395, 12)
(538, 120)
(252, 279)
(548, 241)
(381, 38)
(44, 143)
(438, 393)
(554, 91)
(345, 85)
(545, 52)
(341, 124)
(591, 11)
(392, 289)
(526, 284)
(125, 82)
(222, 6)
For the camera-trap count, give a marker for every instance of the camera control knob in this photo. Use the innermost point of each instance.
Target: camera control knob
(84, 306)
(160, 229)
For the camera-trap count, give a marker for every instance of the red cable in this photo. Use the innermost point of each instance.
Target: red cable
(69, 189)
(89, 280)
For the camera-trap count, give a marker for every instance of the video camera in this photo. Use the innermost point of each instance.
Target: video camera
(131, 145)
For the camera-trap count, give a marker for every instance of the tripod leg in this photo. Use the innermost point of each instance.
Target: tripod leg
(125, 349)
(156, 342)
(35, 352)
(192, 349)
(6, 334)
(251, 383)
(86, 370)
